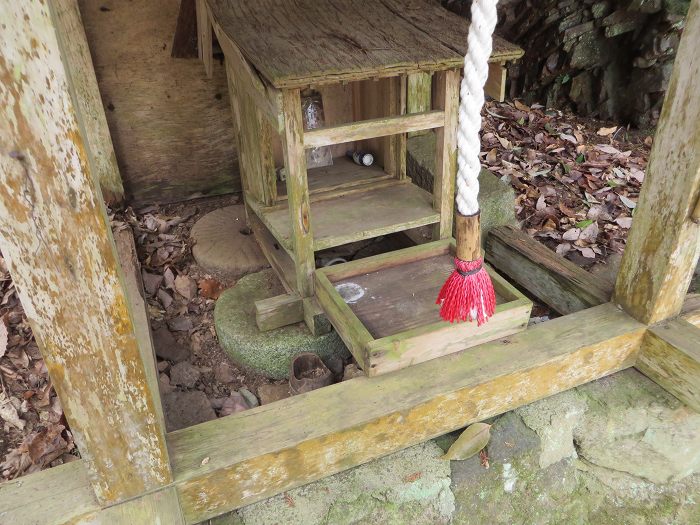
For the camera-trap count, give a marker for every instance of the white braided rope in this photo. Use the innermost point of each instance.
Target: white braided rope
(476, 71)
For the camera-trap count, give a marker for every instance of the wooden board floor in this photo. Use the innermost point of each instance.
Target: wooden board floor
(352, 217)
(402, 297)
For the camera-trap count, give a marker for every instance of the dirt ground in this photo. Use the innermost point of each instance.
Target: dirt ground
(577, 183)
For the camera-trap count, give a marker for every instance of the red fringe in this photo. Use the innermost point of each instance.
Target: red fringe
(466, 298)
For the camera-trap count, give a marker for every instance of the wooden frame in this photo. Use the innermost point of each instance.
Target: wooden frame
(393, 352)
(63, 258)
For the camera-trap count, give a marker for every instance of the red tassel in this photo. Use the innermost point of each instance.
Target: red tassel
(467, 294)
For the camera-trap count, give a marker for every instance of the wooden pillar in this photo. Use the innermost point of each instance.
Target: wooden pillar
(419, 96)
(56, 236)
(447, 99)
(81, 75)
(664, 242)
(298, 191)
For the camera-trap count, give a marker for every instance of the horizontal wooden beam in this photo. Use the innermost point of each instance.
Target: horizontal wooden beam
(280, 310)
(555, 281)
(222, 465)
(670, 356)
(372, 128)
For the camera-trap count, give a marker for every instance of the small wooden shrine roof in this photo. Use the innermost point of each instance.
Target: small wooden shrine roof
(296, 43)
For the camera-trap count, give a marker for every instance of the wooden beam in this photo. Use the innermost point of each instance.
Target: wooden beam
(670, 356)
(298, 192)
(88, 101)
(277, 311)
(496, 82)
(205, 38)
(185, 39)
(444, 179)
(555, 281)
(56, 236)
(158, 508)
(329, 430)
(419, 95)
(664, 243)
(373, 128)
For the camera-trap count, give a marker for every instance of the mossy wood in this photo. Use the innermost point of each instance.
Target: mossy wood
(389, 325)
(57, 240)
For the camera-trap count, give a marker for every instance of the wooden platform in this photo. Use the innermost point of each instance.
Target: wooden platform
(345, 218)
(304, 42)
(384, 308)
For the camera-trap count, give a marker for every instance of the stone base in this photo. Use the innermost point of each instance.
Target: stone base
(224, 245)
(269, 352)
(496, 198)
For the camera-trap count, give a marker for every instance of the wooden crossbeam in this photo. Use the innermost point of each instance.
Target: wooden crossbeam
(670, 356)
(664, 242)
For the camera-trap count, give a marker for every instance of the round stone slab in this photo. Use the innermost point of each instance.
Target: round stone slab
(269, 353)
(223, 243)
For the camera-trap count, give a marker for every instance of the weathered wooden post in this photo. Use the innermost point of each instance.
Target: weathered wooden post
(56, 236)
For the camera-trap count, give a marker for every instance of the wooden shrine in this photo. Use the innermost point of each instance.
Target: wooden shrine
(80, 290)
(362, 60)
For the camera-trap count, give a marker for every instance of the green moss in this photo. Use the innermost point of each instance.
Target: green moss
(269, 353)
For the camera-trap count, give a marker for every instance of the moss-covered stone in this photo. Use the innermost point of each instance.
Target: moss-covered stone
(269, 353)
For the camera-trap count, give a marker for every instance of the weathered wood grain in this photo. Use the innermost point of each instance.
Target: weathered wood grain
(691, 309)
(670, 356)
(367, 129)
(71, 34)
(54, 233)
(170, 125)
(447, 99)
(185, 39)
(495, 86)
(555, 281)
(664, 243)
(277, 311)
(159, 508)
(313, 435)
(204, 37)
(310, 42)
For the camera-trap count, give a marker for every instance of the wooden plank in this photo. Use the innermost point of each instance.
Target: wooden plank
(419, 95)
(57, 495)
(664, 243)
(395, 154)
(281, 262)
(317, 434)
(351, 330)
(131, 270)
(81, 75)
(308, 43)
(185, 39)
(447, 99)
(298, 216)
(56, 237)
(555, 281)
(351, 217)
(170, 124)
(670, 356)
(496, 82)
(280, 310)
(368, 129)
(204, 37)
(161, 507)
(315, 318)
(691, 309)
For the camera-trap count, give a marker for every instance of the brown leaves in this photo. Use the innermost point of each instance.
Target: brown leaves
(39, 450)
(210, 288)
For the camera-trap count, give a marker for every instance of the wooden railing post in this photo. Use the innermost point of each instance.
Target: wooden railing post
(56, 236)
(664, 242)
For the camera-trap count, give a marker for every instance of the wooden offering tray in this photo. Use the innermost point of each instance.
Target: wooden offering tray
(384, 307)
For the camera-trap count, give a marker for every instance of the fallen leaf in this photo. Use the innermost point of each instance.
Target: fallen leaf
(474, 438)
(484, 459)
(185, 286)
(572, 234)
(589, 233)
(3, 338)
(9, 414)
(624, 222)
(604, 132)
(210, 288)
(563, 248)
(628, 202)
(588, 253)
(521, 106)
(492, 156)
(413, 477)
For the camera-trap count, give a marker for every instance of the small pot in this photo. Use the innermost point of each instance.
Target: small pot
(307, 372)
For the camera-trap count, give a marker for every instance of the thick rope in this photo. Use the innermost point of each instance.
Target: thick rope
(476, 71)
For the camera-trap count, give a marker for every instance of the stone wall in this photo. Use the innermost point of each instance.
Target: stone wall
(608, 59)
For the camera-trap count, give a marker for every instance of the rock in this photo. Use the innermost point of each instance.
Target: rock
(224, 373)
(151, 282)
(165, 298)
(249, 397)
(270, 352)
(273, 392)
(184, 374)
(162, 366)
(496, 198)
(351, 371)
(166, 347)
(164, 384)
(223, 243)
(180, 323)
(184, 409)
(588, 51)
(232, 404)
(411, 486)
